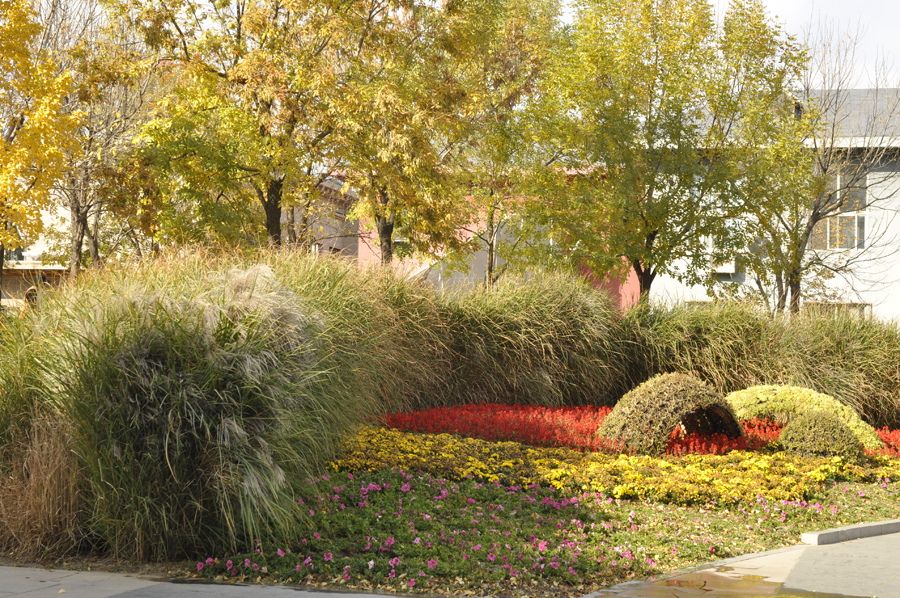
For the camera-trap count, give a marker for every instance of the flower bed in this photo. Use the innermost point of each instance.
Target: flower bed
(690, 479)
(564, 427)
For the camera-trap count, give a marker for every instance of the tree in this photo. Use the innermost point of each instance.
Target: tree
(112, 85)
(271, 70)
(823, 213)
(653, 94)
(498, 159)
(36, 131)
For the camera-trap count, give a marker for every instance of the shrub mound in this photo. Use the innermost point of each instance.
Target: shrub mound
(784, 403)
(645, 417)
(821, 434)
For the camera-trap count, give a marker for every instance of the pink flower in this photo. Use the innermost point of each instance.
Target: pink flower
(280, 552)
(476, 547)
(328, 556)
(349, 476)
(228, 565)
(394, 562)
(412, 582)
(491, 557)
(317, 536)
(471, 501)
(405, 487)
(199, 566)
(432, 563)
(542, 546)
(246, 562)
(210, 561)
(371, 564)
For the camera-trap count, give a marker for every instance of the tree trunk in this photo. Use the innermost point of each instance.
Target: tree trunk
(782, 292)
(93, 234)
(491, 249)
(78, 228)
(794, 287)
(385, 226)
(645, 278)
(272, 206)
(292, 226)
(2, 264)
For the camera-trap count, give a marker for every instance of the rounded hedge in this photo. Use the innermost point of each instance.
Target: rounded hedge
(821, 434)
(784, 403)
(644, 418)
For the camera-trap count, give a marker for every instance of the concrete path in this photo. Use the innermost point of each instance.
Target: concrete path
(865, 568)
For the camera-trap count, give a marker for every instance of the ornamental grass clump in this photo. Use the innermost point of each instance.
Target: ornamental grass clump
(192, 404)
(784, 403)
(549, 340)
(645, 417)
(821, 434)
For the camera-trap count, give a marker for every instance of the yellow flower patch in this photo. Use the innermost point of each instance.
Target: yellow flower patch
(736, 477)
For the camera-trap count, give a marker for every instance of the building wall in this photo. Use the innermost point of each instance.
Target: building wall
(875, 278)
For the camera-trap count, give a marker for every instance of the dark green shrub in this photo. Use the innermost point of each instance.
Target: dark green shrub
(645, 417)
(821, 434)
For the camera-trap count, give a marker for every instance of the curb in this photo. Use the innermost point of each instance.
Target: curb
(851, 532)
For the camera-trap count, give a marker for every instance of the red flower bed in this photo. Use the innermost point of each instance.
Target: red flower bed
(570, 427)
(891, 439)
(573, 427)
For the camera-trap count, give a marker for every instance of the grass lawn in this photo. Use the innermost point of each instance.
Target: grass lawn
(443, 514)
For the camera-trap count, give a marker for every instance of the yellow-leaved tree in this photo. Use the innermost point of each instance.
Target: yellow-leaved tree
(35, 131)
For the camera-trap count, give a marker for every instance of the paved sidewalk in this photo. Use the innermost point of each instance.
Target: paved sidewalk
(865, 568)
(868, 567)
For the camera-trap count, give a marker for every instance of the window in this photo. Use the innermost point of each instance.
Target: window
(846, 230)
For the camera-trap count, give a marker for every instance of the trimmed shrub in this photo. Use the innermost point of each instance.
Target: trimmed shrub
(821, 434)
(645, 417)
(784, 403)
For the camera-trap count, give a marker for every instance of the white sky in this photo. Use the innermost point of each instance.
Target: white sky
(878, 20)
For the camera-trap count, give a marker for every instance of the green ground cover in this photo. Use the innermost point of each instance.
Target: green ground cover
(404, 532)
